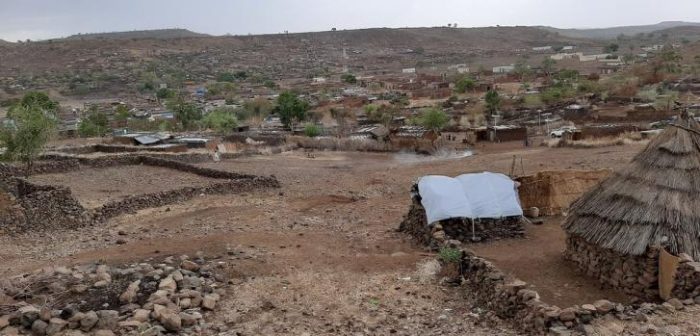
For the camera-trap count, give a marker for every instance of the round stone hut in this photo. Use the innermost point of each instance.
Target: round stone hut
(615, 231)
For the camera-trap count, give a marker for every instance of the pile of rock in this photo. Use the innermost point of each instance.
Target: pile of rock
(634, 275)
(438, 234)
(145, 298)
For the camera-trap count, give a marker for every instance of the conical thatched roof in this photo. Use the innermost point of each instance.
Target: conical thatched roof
(655, 200)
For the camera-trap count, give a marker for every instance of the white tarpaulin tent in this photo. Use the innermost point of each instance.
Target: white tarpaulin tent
(480, 195)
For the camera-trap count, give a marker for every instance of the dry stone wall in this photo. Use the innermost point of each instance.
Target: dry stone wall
(44, 208)
(687, 280)
(139, 202)
(512, 299)
(415, 224)
(633, 275)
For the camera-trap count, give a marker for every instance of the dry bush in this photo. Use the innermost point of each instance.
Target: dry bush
(627, 138)
(339, 144)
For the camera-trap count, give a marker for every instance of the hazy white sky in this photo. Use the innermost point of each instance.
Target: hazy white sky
(41, 19)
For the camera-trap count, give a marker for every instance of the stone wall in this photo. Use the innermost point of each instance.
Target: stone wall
(512, 300)
(415, 224)
(687, 280)
(633, 275)
(139, 202)
(44, 208)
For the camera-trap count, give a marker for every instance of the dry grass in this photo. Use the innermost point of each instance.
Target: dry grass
(629, 138)
(339, 144)
(652, 201)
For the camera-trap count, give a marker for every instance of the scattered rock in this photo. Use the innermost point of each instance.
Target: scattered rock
(39, 327)
(55, 326)
(88, 321)
(603, 306)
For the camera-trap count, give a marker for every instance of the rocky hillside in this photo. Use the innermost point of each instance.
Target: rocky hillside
(613, 32)
(139, 34)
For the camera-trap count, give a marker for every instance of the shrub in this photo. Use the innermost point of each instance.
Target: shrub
(312, 130)
(450, 255)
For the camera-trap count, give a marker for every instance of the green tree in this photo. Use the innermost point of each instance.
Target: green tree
(434, 119)
(381, 114)
(222, 120)
(612, 48)
(312, 130)
(291, 108)
(94, 124)
(121, 113)
(270, 84)
(35, 99)
(493, 101)
(26, 137)
(522, 69)
(465, 84)
(548, 66)
(186, 113)
(349, 78)
(165, 93)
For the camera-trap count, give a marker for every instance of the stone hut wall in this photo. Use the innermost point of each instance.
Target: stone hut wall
(512, 300)
(687, 280)
(633, 275)
(415, 224)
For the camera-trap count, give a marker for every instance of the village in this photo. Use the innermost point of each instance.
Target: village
(206, 185)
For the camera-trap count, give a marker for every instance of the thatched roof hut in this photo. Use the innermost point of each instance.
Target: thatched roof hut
(654, 201)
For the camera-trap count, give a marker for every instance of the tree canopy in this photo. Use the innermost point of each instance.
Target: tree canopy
(434, 119)
(187, 113)
(222, 120)
(26, 136)
(493, 101)
(464, 84)
(94, 124)
(291, 108)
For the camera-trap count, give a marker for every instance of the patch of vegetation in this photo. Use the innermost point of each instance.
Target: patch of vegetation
(312, 130)
(349, 78)
(450, 255)
(434, 119)
(94, 124)
(32, 126)
(291, 108)
(222, 120)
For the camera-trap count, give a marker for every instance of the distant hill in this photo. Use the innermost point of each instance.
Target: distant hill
(613, 32)
(138, 34)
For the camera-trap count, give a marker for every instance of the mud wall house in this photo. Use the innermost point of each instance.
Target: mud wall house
(503, 69)
(610, 130)
(503, 133)
(616, 231)
(575, 112)
(374, 132)
(413, 138)
(552, 192)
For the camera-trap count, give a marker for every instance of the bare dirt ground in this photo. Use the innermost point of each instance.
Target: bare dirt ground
(537, 259)
(320, 256)
(93, 187)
